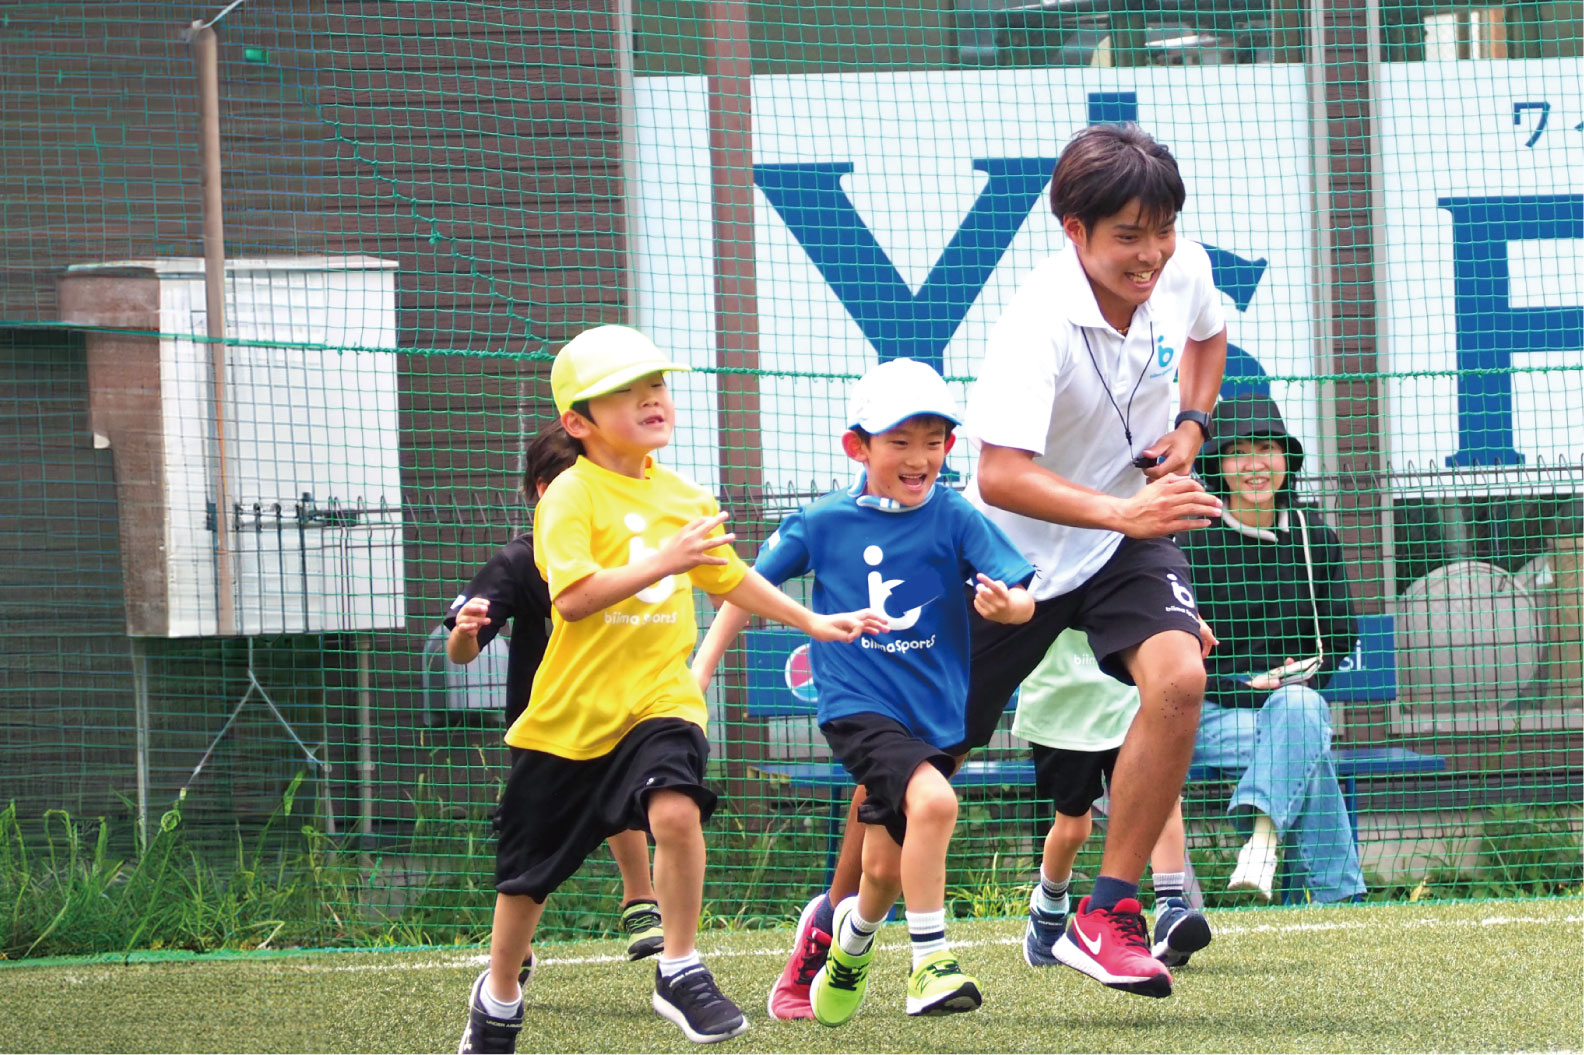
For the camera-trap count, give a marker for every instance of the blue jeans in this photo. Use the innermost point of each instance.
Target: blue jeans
(1284, 750)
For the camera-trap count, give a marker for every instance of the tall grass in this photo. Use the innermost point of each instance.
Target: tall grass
(65, 890)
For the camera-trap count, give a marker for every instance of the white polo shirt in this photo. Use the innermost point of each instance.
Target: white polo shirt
(1043, 384)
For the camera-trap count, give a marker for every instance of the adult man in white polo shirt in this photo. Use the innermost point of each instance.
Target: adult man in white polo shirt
(1079, 465)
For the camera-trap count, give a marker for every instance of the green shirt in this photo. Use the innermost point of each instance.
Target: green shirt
(1068, 702)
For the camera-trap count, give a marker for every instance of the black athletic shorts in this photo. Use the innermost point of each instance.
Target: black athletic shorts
(882, 755)
(1143, 590)
(556, 811)
(1072, 780)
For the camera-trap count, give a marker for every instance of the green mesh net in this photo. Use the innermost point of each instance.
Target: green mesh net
(222, 651)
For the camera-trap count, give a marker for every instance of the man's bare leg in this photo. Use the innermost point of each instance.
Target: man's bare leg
(1153, 763)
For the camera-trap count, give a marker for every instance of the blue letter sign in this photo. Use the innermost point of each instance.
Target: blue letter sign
(1489, 328)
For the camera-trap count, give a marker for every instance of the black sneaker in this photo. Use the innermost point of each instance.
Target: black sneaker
(694, 1002)
(486, 1034)
(526, 972)
(1179, 932)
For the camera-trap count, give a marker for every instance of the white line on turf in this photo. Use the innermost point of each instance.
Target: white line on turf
(1222, 932)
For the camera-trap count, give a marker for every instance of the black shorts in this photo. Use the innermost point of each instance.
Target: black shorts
(556, 811)
(882, 755)
(1072, 780)
(1143, 590)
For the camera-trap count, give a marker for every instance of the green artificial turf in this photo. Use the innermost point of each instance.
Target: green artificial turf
(1478, 976)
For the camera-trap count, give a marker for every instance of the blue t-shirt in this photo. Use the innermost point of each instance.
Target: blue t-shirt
(913, 563)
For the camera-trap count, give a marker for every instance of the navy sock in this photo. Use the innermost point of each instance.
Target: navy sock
(1108, 891)
(825, 915)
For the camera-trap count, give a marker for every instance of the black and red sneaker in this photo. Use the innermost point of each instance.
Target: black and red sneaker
(789, 997)
(1112, 946)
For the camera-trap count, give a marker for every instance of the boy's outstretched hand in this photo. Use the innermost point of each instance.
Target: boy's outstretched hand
(691, 546)
(1000, 604)
(848, 626)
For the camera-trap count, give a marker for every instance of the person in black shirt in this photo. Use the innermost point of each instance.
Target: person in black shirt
(509, 587)
(1270, 582)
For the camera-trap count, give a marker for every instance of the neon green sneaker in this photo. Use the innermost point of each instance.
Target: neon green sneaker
(939, 987)
(640, 920)
(838, 988)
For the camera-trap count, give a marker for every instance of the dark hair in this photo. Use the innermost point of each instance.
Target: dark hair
(1104, 167)
(549, 454)
(929, 419)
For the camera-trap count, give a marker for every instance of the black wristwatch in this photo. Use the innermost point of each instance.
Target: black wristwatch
(1198, 417)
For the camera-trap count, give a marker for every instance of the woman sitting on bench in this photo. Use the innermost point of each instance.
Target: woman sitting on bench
(1270, 583)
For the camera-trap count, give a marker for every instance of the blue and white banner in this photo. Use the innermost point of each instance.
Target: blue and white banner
(896, 214)
(1483, 270)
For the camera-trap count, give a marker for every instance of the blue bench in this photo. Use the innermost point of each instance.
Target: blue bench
(780, 685)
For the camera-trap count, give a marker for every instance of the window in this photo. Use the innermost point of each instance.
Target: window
(1412, 33)
(1084, 33)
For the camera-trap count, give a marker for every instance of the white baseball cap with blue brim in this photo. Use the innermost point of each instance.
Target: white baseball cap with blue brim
(896, 390)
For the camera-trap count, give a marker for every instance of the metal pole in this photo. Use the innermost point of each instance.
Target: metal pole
(1324, 361)
(1385, 478)
(627, 108)
(728, 65)
(365, 698)
(206, 57)
(140, 720)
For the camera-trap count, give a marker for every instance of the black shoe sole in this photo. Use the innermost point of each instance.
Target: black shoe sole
(642, 950)
(1185, 939)
(1156, 987)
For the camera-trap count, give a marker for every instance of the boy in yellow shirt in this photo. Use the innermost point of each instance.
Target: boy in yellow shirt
(613, 736)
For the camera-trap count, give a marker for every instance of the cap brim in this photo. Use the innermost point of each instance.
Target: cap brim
(874, 428)
(626, 376)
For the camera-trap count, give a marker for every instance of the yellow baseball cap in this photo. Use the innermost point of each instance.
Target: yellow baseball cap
(602, 360)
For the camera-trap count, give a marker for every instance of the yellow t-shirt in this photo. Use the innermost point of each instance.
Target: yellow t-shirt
(624, 664)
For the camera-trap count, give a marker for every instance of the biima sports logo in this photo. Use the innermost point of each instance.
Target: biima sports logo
(1183, 594)
(893, 647)
(1165, 356)
(637, 550)
(643, 619)
(880, 589)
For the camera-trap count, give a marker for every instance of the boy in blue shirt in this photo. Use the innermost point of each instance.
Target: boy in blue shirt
(905, 546)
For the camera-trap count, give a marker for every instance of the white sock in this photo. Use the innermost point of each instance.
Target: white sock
(928, 931)
(1050, 896)
(856, 932)
(1256, 861)
(1265, 840)
(494, 1007)
(1167, 884)
(672, 968)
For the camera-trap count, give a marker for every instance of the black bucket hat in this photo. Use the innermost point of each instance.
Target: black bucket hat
(1247, 416)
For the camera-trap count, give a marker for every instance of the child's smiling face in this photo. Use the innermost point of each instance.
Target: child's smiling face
(638, 417)
(903, 462)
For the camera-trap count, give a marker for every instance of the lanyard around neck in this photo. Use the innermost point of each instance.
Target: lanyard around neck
(1105, 383)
